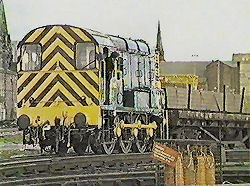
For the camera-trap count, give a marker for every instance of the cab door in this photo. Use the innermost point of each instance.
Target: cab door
(135, 73)
(147, 72)
(126, 72)
(141, 72)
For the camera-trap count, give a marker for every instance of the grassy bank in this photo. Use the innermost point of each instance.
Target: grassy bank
(11, 146)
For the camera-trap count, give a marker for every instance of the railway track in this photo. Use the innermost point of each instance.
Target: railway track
(110, 178)
(115, 169)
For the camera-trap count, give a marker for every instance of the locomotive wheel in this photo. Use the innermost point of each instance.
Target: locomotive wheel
(141, 142)
(150, 144)
(108, 136)
(80, 147)
(142, 139)
(109, 145)
(48, 149)
(47, 146)
(125, 142)
(62, 148)
(95, 144)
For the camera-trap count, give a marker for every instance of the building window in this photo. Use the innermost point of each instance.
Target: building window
(31, 57)
(85, 56)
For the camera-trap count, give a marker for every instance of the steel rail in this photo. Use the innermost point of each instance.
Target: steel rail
(41, 158)
(52, 165)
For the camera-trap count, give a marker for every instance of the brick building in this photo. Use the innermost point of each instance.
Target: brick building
(220, 73)
(243, 61)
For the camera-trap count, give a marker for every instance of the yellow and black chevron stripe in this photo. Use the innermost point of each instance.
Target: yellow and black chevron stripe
(58, 79)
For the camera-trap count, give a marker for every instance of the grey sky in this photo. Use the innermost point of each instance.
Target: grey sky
(213, 29)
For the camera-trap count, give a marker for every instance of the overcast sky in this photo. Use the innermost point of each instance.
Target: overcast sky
(211, 29)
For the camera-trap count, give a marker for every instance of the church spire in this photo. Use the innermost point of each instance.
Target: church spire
(3, 22)
(5, 42)
(159, 46)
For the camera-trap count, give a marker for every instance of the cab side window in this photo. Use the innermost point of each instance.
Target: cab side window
(31, 57)
(85, 56)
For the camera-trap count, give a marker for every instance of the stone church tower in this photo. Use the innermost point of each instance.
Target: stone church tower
(7, 77)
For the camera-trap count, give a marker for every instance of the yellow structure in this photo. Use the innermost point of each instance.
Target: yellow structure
(180, 80)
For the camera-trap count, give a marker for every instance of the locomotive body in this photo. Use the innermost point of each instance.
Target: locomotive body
(79, 87)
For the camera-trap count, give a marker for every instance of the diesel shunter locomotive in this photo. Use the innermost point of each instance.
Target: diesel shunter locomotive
(79, 88)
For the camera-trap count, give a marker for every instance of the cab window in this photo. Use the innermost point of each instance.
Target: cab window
(85, 56)
(31, 57)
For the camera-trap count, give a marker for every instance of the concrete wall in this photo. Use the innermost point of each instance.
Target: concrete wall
(205, 100)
